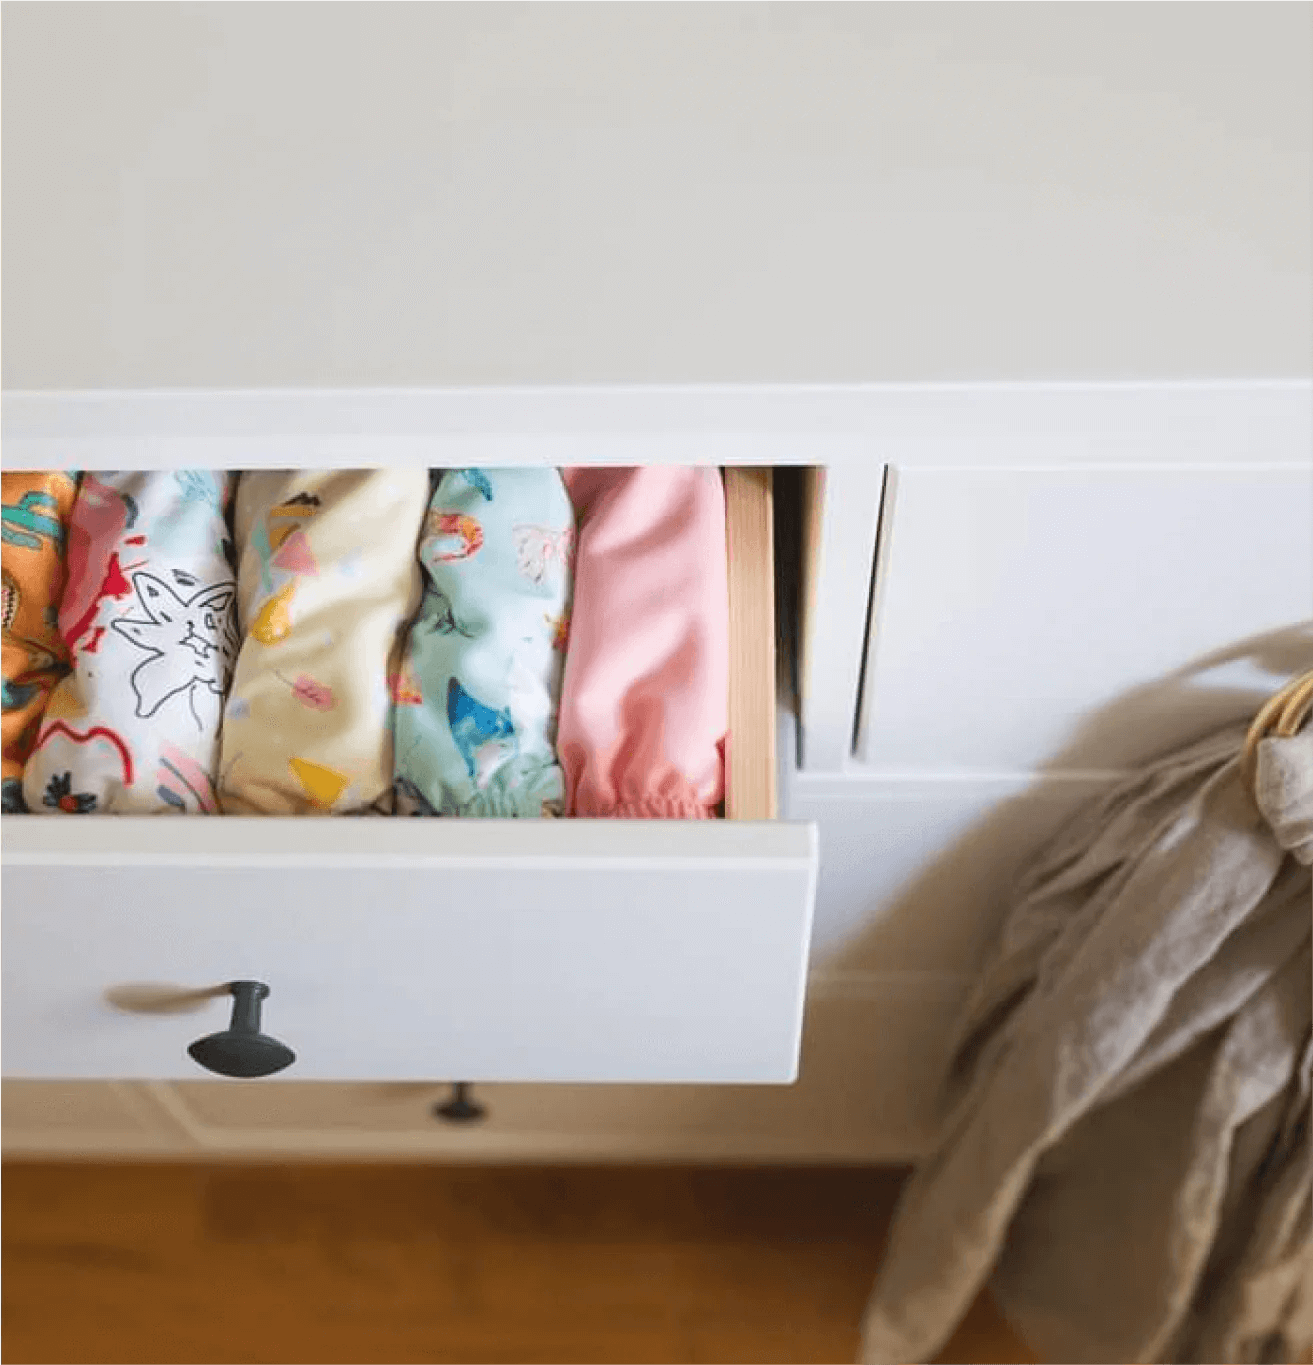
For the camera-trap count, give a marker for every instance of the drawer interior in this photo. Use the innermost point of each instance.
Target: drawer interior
(750, 756)
(831, 530)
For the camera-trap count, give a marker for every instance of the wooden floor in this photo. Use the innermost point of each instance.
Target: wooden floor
(387, 1263)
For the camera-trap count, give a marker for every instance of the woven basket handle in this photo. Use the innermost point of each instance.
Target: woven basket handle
(1282, 716)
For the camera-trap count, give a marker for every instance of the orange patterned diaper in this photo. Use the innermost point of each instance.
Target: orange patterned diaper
(35, 521)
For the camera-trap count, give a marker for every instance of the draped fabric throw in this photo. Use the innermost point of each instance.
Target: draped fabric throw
(1124, 1155)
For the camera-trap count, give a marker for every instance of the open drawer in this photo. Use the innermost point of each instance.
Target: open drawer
(558, 950)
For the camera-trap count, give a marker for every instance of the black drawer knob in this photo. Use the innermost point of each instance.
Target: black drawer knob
(241, 1049)
(460, 1106)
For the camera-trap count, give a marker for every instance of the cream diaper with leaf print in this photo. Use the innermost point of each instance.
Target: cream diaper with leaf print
(327, 580)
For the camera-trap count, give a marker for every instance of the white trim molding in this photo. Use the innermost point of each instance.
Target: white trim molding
(942, 425)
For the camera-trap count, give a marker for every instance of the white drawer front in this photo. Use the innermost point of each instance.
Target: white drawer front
(409, 949)
(1033, 618)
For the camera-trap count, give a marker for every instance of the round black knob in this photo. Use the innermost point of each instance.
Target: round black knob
(241, 1049)
(460, 1108)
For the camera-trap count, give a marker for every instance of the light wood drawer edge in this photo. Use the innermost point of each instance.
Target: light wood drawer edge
(750, 748)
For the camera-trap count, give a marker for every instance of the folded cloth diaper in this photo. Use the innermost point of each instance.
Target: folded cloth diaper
(327, 580)
(476, 699)
(148, 617)
(645, 696)
(36, 509)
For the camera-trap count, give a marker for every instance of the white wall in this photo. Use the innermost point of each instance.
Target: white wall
(401, 194)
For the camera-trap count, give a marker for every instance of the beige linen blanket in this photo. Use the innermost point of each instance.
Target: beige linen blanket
(1124, 1154)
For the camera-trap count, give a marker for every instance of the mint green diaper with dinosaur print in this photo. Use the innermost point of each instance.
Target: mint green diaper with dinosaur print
(475, 699)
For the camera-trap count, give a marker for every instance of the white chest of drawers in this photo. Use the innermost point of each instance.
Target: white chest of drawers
(658, 958)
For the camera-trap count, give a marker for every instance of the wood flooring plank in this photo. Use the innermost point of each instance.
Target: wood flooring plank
(192, 1263)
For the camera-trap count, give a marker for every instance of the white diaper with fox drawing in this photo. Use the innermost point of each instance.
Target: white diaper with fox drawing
(148, 617)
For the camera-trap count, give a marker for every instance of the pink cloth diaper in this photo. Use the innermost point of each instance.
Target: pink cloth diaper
(644, 698)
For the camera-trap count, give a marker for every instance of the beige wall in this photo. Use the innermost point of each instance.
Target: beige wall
(377, 194)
